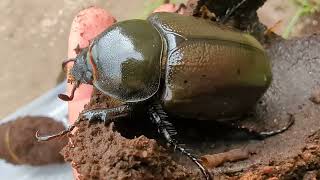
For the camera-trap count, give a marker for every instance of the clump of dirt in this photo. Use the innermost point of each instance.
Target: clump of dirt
(99, 152)
(18, 144)
(315, 95)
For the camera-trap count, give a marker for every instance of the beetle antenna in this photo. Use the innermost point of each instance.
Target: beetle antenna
(62, 133)
(65, 97)
(65, 62)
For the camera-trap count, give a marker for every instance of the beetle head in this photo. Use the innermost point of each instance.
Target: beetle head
(81, 72)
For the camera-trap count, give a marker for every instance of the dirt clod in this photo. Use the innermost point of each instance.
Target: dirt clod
(18, 144)
(315, 96)
(99, 152)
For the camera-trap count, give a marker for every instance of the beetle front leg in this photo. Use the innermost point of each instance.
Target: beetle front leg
(61, 133)
(231, 11)
(158, 116)
(266, 134)
(105, 115)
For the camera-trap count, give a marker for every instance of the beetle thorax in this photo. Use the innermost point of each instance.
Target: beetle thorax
(126, 61)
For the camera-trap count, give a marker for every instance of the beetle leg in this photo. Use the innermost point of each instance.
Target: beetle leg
(62, 133)
(158, 116)
(265, 134)
(197, 10)
(106, 115)
(231, 11)
(181, 7)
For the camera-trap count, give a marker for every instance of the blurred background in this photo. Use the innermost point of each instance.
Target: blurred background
(34, 36)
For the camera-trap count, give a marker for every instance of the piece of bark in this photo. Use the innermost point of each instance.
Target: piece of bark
(214, 160)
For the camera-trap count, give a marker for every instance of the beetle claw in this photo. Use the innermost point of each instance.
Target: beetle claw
(47, 138)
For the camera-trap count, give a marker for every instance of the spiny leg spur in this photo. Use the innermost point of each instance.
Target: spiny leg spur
(158, 117)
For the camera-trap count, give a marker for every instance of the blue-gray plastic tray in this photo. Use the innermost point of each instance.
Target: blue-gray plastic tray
(45, 105)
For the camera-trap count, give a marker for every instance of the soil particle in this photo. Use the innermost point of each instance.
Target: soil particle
(18, 144)
(315, 96)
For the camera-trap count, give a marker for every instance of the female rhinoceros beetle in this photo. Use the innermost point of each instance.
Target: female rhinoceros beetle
(184, 66)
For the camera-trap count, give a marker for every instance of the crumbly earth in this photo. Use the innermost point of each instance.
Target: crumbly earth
(99, 152)
(304, 165)
(18, 144)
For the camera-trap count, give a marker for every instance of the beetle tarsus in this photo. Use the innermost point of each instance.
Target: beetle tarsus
(278, 131)
(47, 138)
(158, 116)
(105, 115)
(65, 97)
(266, 134)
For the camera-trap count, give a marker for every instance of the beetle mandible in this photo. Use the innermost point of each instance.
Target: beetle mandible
(182, 66)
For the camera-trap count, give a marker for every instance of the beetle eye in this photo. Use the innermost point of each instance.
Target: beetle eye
(88, 77)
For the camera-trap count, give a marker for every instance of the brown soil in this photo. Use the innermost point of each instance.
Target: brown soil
(100, 152)
(18, 144)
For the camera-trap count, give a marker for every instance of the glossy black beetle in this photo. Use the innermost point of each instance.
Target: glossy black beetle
(205, 71)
